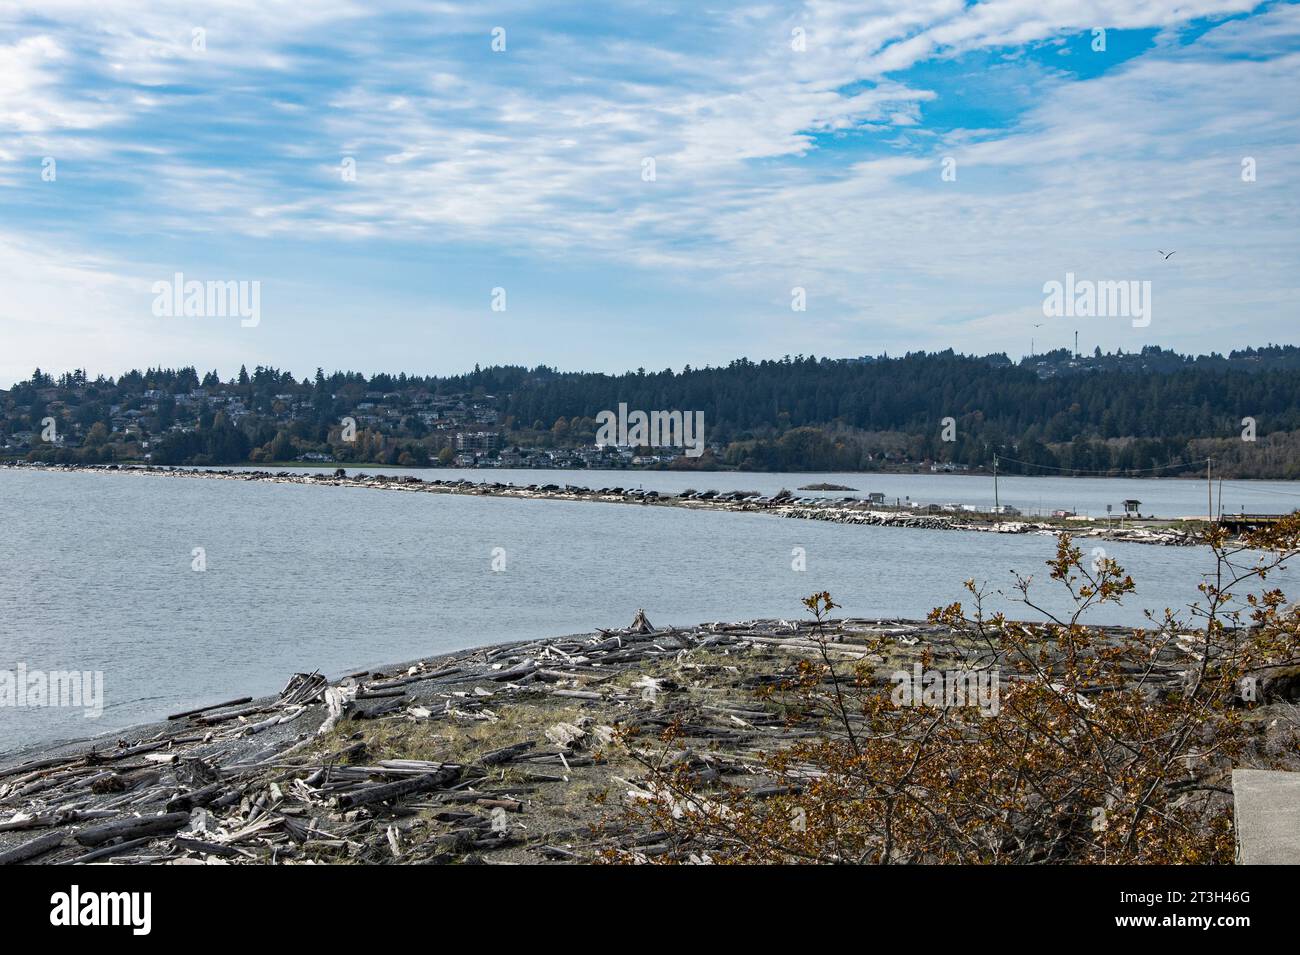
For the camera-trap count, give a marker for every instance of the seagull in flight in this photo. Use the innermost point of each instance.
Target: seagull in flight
(1165, 254)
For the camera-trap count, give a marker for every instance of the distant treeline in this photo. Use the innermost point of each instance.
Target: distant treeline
(912, 394)
(1052, 413)
(1104, 413)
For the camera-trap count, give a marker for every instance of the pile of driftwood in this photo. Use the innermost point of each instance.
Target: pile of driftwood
(364, 768)
(290, 778)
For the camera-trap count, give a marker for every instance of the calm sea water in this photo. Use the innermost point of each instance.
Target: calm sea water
(96, 574)
(1162, 497)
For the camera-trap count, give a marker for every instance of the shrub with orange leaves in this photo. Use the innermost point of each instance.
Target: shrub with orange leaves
(1107, 745)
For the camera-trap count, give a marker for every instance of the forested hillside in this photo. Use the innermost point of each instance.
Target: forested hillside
(1123, 413)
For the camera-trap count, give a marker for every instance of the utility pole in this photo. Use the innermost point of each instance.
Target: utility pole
(996, 505)
(1076, 344)
(1209, 492)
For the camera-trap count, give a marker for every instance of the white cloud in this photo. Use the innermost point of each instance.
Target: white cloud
(539, 151)
(29, 104)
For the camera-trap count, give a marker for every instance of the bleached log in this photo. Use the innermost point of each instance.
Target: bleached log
(207, 709)
(30, 850)
(132, 827)
(61, 817)
(386, 791)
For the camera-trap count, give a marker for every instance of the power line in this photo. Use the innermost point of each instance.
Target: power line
(1109, 472)
(1236, 485)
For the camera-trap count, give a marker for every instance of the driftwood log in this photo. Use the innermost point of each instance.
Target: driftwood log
(103, 852)
(32, 849)
(209, 708)
(506, 754)
(132, 828)
(403, 787)
(60, 817)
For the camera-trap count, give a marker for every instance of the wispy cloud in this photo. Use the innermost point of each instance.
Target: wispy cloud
(790, 146)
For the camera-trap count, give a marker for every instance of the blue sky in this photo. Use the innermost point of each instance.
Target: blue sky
(780, 162)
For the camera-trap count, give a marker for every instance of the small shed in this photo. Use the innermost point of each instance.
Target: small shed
(1132, 506)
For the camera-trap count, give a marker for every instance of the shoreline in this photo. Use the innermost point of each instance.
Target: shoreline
(509, 753)
(1159, 531)
(202, 762)
(920, 470)
(28, 753)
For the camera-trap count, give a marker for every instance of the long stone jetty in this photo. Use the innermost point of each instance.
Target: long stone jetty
(784, 504)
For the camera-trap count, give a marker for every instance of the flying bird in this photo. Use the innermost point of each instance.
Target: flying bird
(1165, 254)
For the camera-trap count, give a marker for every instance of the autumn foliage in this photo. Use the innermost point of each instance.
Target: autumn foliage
(1107, 745)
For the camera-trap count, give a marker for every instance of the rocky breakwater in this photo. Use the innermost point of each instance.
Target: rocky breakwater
(850, 515)
(783, 504)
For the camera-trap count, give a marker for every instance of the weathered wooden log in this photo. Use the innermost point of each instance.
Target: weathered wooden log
(628, 656)
(132, 828)
(533, 776)
(382, 708)
(38, 764)
(75, 776)
(509, 805)
(214, 706)
(303, 688)
(577, 694)
(195, 797)
(207, 848)
(560, 759)
(32, 849)
(337, 702)
(123, 782)
(380, 694)
(58, 817)
(514, 673)
(405, 787)
(559, 853)
(506, 753)
(409, 765)
(124, 753)
(103, 852)
(212, 719)
(396, 682)
(229, 798)
(252, 729)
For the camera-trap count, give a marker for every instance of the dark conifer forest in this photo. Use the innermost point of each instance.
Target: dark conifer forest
(1150, 412)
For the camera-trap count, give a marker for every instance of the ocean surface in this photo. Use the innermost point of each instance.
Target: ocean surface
(96, 573)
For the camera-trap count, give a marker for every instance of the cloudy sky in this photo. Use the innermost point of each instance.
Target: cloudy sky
(792, 146)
